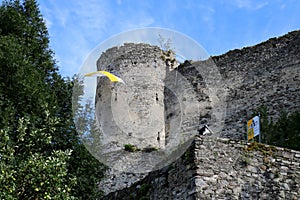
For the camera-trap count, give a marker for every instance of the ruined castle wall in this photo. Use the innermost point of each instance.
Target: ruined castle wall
(222, 169)
(126, 111)
(266, 74)
(175, 181)
(154, 95)
(229, 169)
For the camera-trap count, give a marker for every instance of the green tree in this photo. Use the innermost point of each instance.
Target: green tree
(89, 170)
(41, 156)
(284, 132)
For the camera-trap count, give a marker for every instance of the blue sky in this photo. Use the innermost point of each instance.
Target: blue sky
(77, 27)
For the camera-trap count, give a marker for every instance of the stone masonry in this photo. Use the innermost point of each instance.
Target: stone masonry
(156, 108)
(216, 168)
(220, 168)
(137, 104)
(265, 74)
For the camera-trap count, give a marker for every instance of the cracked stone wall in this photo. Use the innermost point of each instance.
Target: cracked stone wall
(264, 74)
(126, 111)
(149, 106)
(221, 168)
(154, 95)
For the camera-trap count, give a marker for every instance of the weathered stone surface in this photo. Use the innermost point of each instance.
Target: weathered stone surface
(241, 180)
(265, 74)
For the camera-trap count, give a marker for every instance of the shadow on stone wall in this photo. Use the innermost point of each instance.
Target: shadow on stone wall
(219, 168)
(215, 168)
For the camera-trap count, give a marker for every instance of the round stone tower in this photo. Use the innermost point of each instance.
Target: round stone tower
(132, 113)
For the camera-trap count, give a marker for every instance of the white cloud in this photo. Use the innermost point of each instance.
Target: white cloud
(92, 14)
(119, 2)
(54, 13)
(204, 13)
(208, 17)
(75, 27)
(137, 22)
(250, 4)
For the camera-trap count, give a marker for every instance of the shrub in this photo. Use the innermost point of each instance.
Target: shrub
(130, 148)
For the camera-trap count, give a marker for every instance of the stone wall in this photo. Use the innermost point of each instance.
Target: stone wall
(141, 111)
(156, 108)
(265, 74)
(216, 168)
(126, 111)
(155, 95)
(175, 181)
(228, 169)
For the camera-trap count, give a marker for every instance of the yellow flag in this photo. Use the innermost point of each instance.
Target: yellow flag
(111, 77)
(250, 130)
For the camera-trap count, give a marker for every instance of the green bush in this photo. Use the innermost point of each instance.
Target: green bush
(285, 132)
(130, 148)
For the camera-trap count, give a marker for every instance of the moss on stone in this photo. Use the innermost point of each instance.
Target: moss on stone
(265, 149)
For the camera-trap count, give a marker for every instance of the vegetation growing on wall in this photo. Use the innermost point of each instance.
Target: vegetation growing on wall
(130, 148)
(133, 148)
(285, 132)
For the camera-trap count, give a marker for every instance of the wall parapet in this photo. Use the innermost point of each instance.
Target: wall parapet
(219, 168)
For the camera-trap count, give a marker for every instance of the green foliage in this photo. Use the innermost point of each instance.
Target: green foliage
(41, 156)
(149, 149)
(133, 148)
(89, 170)
(130, 148)
(266, 150)
(216, 155)
(28, 170)
(285, 132)
(143, 191)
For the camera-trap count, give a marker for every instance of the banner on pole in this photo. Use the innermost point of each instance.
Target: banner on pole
(253, 128)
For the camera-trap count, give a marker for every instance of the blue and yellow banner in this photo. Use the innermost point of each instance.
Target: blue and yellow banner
(253, 127)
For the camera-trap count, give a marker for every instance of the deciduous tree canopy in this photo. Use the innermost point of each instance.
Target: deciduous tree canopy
(41, 156)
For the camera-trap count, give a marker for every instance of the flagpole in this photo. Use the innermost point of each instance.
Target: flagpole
(246, 132)
(259, 136)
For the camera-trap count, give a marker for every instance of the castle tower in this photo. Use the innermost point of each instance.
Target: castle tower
(132, 113)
